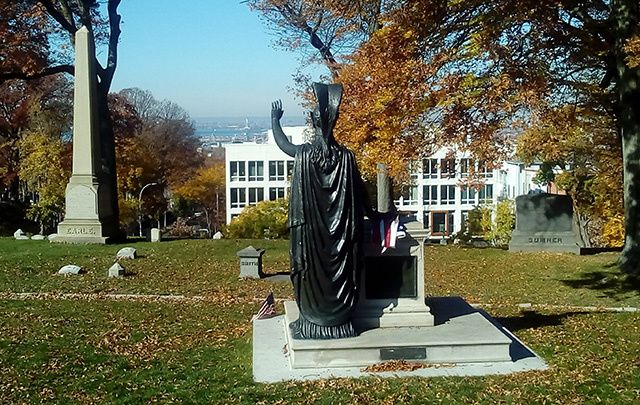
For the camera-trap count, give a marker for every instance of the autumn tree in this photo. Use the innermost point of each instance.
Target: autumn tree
(265, 220)
(168, 133)
(207, 190)
(156, 143)
(38, 37)
(585, 146)
(45, 164)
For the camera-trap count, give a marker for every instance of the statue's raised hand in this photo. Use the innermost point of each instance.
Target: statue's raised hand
(276, 110)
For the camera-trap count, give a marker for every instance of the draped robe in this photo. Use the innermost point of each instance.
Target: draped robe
(325, 221)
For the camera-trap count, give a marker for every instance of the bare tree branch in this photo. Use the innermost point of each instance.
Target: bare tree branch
(4, 76)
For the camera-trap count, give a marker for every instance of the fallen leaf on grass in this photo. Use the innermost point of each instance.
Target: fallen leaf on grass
(400, 365)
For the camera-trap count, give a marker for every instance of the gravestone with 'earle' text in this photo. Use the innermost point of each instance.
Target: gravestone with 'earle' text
(88, 213)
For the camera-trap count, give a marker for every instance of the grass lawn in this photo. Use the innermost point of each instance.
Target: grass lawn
(93, 349)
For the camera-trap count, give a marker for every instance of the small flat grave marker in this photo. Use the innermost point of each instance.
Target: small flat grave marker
(126, 253)
(70, 269)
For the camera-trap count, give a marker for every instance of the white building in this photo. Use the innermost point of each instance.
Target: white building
(257, 172)
(439, 194)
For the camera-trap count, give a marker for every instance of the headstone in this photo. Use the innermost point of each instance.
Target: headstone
(52, 237)
(392, 284)
(544, 222)
(217, 235)
(88, 213)
(116, 270)
(126, 253)
(250, 262)
(70, 269)
(155, 235)
(38, 237)
(22, 237)
(18, 233)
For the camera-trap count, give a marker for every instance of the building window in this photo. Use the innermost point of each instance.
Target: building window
(463, 220)
(289, 169)
(275, 193)
(429, 168)
(237, 171)
(429, 195)
(484, 171)
(486, 194)
(410, 195)
(256, 171)
(276, 170)
(465, 165)
(256, 194)
(441, 223)
(447, 168)
(467, 195)
(238, 197)
(447, 195)
(414, 169)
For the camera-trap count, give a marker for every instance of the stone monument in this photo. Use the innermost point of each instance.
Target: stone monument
(392, 281)
(250, 262)
(545, 223)
(356, 304)
(88, 216)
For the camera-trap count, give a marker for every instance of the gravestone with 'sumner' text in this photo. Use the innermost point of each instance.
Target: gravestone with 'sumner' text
(545, 223)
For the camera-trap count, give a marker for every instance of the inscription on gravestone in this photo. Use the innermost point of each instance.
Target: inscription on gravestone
(81, 230)
(544, 222)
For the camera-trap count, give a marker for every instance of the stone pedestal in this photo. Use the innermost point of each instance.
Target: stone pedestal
(468, 338)
(392, 285)
(82, 223)
(250, 262)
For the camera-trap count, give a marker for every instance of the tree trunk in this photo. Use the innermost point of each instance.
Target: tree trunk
(108, 164)
(627, 17)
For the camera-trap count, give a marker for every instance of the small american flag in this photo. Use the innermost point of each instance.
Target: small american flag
(267, 310)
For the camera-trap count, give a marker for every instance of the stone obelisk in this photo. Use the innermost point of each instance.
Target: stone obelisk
(86, 198)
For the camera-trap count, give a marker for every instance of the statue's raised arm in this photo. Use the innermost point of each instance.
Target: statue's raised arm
(281, 139)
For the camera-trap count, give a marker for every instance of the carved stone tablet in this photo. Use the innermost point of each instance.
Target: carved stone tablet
(81, 202)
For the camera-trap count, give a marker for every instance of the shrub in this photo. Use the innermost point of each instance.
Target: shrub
(481, 223)
(501, 228)
(267, 219)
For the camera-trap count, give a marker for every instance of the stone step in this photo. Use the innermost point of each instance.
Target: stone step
(466, 338)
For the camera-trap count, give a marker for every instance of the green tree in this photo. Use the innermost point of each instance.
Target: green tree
(207, 190)
(503, 224)
(42, 166)
(266, 219)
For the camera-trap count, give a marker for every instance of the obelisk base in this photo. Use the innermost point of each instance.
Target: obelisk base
(82, 222)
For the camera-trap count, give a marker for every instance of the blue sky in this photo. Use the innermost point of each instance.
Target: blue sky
(214, 58)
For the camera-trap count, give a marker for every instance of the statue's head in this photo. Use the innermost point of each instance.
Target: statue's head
(325, 115)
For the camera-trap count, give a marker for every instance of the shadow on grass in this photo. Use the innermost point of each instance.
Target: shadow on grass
(612, 283)
(534, 320)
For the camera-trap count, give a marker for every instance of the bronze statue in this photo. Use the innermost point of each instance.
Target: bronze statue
(326, 213)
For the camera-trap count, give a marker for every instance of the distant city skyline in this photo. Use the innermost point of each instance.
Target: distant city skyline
(214, 59)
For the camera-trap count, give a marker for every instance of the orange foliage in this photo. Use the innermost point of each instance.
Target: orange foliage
(382, 108)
